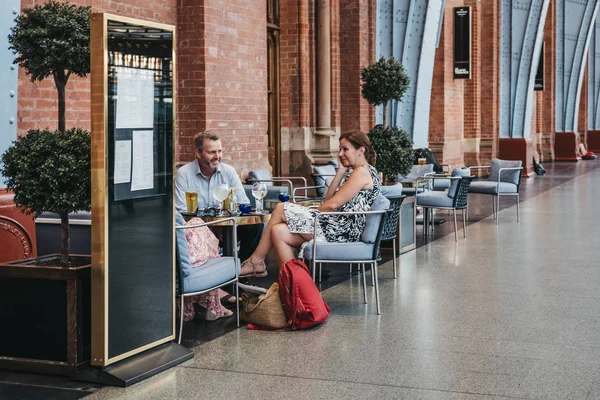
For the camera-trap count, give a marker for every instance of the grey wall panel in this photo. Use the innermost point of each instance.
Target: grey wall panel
(575, 22)
(409, 30)
(9, 76)
(577, 40)
(522, 27)
(594, 80)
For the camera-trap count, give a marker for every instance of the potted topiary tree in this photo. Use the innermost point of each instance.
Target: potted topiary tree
(50, 170)
(382, 81)
(53, 39)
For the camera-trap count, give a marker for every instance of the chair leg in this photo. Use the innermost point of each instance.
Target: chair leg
(314, 269)
(364, 281)
(431, 221)
(320, 271)
(237, 302)
(376, 287)
(180, 319)
(497, 208)
(350, 269)
(517, 207)
(464, 223)
(455, 225)
(494, 207)
(394, 255)
(372, 277)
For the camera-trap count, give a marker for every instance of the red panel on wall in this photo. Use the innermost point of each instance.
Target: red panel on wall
(17, 231)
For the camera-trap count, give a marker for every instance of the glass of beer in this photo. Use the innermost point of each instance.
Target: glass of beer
(422, 161)
(191, 201)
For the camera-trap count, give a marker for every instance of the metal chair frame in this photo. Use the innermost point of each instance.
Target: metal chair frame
(372, 260)
(182, 295)
(390, 227)
(496, 200)
(459, 202)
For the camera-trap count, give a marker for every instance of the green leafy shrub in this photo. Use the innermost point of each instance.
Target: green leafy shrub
(53, 39)
(50, 171)
(394, 150)
(382, 81)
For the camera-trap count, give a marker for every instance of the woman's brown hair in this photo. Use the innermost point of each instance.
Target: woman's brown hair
(358, 139)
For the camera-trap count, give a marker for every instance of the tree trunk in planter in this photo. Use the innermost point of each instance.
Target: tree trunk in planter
(64, 248)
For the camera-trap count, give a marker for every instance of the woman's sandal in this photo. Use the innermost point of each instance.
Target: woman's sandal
(255, 273)
(210, 316)
(228, 301)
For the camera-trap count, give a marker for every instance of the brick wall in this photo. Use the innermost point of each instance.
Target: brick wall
(356, 40)
(446, 126)
(222, 75)
(38, 104)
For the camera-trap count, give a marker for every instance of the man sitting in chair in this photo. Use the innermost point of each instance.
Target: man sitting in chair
(203, 174)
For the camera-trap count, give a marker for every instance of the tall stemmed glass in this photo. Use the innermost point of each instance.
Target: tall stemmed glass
(259, 191)
(220, 193)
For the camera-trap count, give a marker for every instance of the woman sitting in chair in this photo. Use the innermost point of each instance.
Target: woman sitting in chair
(354, 188)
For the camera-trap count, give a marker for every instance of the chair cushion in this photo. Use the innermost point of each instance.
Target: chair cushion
(441, 184)
(489, 187)
(417, 171)
(328, 169)
(369, 234)
(335, 163)
(259, 174)
(511, 176)
(355, 251)
(215, 272)
(454, 183)
(185, 266)
(391, 190)
(434, 199)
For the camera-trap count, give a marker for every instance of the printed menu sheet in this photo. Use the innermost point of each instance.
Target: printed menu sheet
(142, 176)
(135, 98)
(122, 161)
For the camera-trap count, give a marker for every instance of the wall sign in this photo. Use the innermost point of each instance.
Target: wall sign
(462, 42)
(539, 75)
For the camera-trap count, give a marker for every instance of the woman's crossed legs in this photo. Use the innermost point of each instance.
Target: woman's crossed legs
(276, 235)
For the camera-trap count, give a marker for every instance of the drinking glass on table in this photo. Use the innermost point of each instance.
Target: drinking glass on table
(220, 193)
(259, 191)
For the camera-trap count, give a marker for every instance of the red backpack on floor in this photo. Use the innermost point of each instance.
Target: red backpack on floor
(302, 301)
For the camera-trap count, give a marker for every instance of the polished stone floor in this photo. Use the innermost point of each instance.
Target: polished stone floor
(510, 312)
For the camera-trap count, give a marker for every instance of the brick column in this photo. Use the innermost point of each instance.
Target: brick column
(446, 116)
(548, 123)
(490, 82)
(357, 26)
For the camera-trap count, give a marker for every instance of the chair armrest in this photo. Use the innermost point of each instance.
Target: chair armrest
(289, 182)
(507, 169)
(219, 221)
(305, 188)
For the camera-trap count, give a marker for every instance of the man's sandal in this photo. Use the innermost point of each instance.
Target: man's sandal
(255, 273)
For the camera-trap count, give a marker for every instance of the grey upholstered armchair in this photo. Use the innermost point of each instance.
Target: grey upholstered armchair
(504, 180)
(215, 273)
(362, 252)
(454, 199)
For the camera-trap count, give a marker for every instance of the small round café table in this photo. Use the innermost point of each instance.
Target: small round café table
(243, 219)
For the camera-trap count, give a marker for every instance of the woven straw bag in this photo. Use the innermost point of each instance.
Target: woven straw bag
(265, 310)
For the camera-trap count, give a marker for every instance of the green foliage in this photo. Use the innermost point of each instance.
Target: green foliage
(52, 38)
(384, 80)
(394, 150)
(49, 171)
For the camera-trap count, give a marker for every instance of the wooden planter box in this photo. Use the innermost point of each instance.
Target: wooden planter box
(46, 317)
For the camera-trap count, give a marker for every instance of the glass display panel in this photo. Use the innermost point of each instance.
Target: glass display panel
(140, 190)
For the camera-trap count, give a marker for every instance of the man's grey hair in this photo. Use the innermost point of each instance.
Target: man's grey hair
(199, 139)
